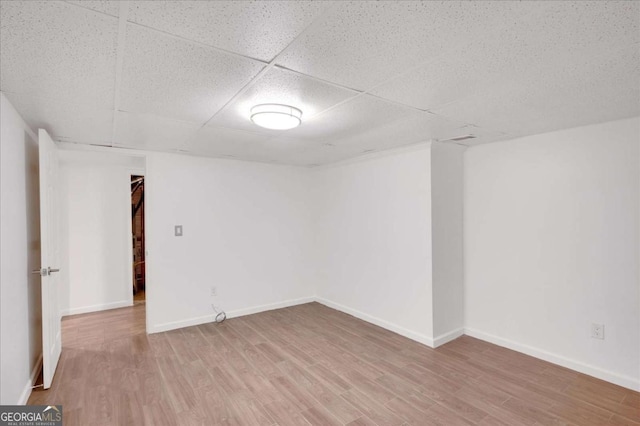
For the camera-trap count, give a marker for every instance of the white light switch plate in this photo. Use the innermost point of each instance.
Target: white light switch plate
(178, 230)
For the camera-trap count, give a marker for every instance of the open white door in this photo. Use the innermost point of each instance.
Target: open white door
(50, 257)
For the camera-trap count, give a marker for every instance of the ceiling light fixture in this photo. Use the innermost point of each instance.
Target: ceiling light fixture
(276, 116)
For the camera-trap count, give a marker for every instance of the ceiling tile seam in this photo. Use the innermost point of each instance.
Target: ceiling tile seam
(98, 12)
(310, 76)
(49, 98)
(475, 95)
(161, 117)
(199, 43)
(243, 90)
(312, 25)
(145, 149)
(245, 131)
(388, 79)
(381, 82)
(267, 67)
(273, 61)
(387, 125)
(391, 78)
(122, 39)
(321, 80)
(362, 93)
(120, 59)
(151, 149)
(57, 137)
(357, 92)
(372, 155)
(184, 143)
(90, 10)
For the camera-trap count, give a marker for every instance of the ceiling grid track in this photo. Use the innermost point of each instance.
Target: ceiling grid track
(268, 66)
(271, 64)
(182, 77)
(122, 39)
(123, 21)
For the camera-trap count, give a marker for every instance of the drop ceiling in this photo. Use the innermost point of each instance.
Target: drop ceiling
(181, 76)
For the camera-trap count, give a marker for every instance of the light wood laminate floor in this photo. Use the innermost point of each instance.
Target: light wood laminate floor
(310, 364)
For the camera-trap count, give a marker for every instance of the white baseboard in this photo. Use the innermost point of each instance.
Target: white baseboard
(418, 337)
(26, 392)
(447, 337)
(270, 307)
(96, 308)
(625, 381)
(158, 328)
(609, 376)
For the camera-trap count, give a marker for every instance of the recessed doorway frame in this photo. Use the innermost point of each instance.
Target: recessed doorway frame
(135, 172)
(142, 205)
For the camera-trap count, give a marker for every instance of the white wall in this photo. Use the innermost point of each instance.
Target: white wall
(447, 241)
(552, 245)
(373, 237)
(96, 230)
(20, 305)
(246, 231)
(551, 242)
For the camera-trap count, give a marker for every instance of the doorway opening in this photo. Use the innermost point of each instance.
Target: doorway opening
(137, 232)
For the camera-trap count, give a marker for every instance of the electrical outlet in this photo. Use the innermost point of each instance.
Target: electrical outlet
(214, 291)
(597, 331)
(177, 230)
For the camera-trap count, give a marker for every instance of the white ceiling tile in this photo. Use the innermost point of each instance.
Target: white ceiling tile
(580, 109)
(455, 75)
(415, 128)
(578, 90)
(65, 122)
(363, 43)
(500, 109)
(317, 155)
(360, 114)
(597, 74)
(439, 82)
(222, 142)
(557, 43)
(174, 78)
(282, 87)
(151, 132)
(576, 24)
(110, 7)
(494, 69)
(256, 29)
(58, 51)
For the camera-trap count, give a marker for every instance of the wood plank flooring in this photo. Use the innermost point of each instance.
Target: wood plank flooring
(310, 364)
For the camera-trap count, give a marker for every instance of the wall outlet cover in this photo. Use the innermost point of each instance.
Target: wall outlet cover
(597, 331)
(178, 230)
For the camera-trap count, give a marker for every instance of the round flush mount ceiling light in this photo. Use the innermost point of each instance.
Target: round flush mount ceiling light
(276, 116)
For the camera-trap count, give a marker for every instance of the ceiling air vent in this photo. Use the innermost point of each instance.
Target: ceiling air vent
(461, 138)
